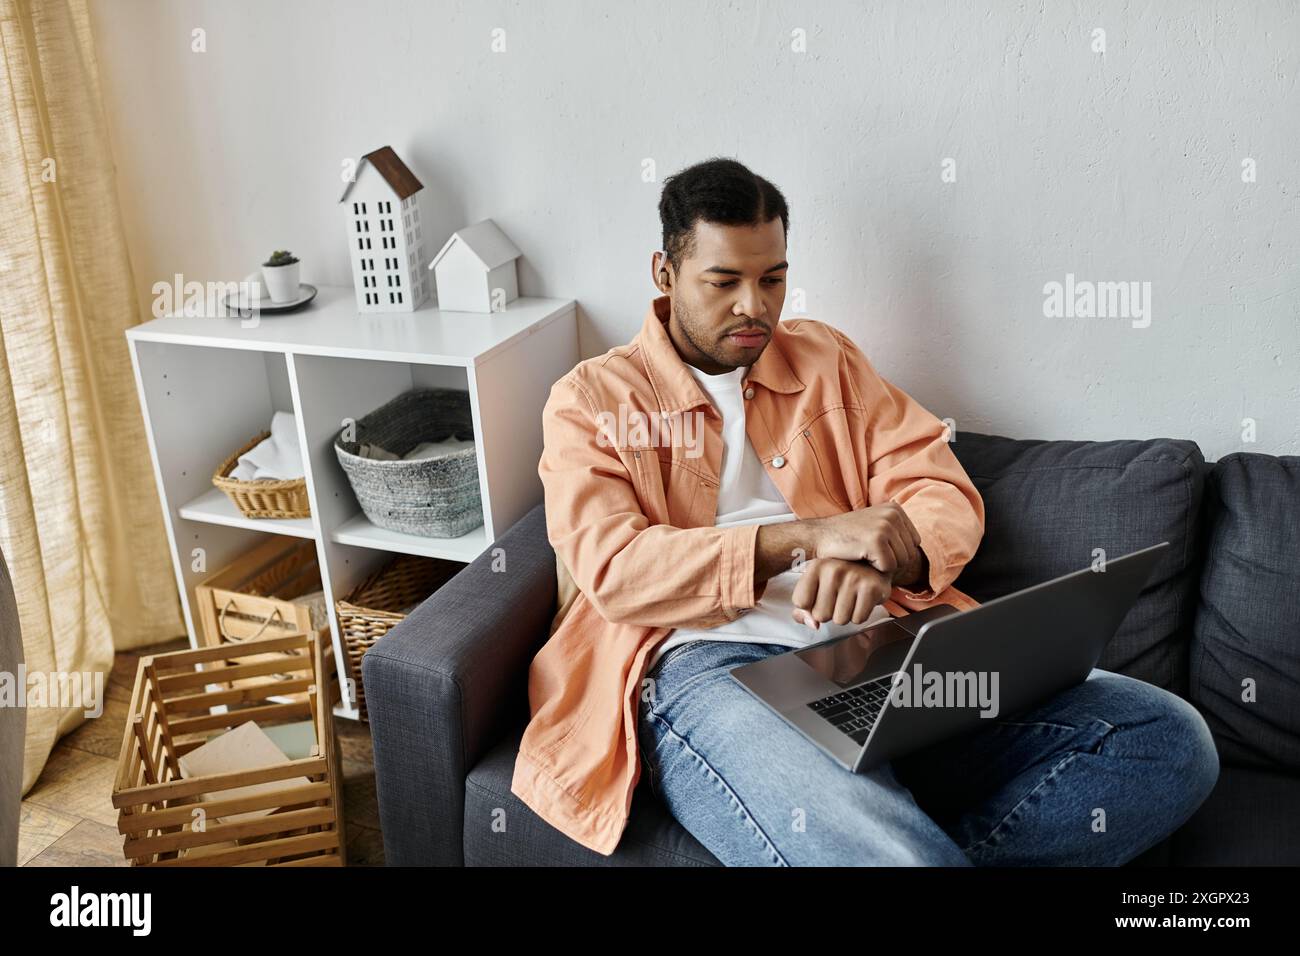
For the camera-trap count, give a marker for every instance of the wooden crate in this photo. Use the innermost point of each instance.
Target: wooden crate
(252, 597)
(175, 708)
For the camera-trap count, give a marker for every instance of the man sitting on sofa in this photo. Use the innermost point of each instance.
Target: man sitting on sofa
(727, 487)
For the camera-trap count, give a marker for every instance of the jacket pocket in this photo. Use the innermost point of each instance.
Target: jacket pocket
(665, 489)
(668, 486)
(650, 491)
(826, 443)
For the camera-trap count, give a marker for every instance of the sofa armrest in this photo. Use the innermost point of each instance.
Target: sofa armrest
(13, 723)
(446, 683)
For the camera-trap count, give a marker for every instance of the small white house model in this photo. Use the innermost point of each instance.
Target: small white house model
(385, 238)
(475, 270)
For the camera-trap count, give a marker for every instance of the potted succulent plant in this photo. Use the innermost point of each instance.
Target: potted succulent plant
(280, 275)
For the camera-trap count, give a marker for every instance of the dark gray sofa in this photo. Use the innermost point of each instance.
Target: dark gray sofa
(447, 688)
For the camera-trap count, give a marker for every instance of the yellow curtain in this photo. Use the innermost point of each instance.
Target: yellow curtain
(80, 523)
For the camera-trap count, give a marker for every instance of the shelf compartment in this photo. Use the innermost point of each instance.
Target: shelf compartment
(361, 533)
(215, 507)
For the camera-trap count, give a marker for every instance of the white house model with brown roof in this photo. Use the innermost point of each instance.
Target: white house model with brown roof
(385, 237)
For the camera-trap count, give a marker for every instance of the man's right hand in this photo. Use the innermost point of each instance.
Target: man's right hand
(841, 591)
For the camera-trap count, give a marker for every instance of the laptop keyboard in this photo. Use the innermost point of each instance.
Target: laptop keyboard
(854, 711)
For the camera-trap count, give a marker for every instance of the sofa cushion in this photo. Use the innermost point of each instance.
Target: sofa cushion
(1049, 504)
(1247, 632)
(1249, 819)
(652, 838)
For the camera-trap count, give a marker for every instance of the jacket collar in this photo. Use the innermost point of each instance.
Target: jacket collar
(675, 386)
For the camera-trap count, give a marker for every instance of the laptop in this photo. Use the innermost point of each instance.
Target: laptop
(919, 679)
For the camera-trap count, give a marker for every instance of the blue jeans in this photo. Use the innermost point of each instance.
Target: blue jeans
(1095, 776)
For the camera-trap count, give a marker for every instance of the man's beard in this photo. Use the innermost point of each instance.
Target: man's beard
(690, 330)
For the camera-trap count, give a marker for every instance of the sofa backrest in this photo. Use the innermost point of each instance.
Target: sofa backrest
(1245, 653)
(1052, 507)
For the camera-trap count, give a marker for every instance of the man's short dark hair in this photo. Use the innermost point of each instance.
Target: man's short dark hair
(717, 190)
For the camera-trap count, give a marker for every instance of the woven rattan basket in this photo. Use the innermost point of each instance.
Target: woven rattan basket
(382, 601)
(263, 498)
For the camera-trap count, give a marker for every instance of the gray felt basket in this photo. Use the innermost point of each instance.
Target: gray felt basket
(433, 497)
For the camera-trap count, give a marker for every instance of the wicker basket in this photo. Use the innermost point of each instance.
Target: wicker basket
(431, 497)
(171, 714)
(265, 498)
(382, 601)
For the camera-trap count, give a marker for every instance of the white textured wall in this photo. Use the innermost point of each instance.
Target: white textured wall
(1122, 166)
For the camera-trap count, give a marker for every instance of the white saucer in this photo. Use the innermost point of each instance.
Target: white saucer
(242, 303)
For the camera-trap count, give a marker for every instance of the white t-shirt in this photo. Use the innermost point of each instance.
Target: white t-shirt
(746, 495)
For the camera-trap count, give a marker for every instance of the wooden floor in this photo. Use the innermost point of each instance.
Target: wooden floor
(68, 817)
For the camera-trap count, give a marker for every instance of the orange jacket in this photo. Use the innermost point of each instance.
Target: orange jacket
(632, 454)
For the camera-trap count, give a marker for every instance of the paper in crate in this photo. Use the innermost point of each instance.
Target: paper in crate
(246, 747)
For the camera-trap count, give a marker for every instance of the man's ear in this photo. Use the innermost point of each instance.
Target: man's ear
(660, 272)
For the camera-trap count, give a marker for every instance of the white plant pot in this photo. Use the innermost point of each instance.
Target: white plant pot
(281, 282)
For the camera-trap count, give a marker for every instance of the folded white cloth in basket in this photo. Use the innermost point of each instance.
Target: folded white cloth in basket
(368, 450)
(426, 449)
(433, 449)
(278, 457)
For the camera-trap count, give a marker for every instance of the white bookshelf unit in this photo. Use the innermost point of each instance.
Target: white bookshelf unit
(208, 385)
